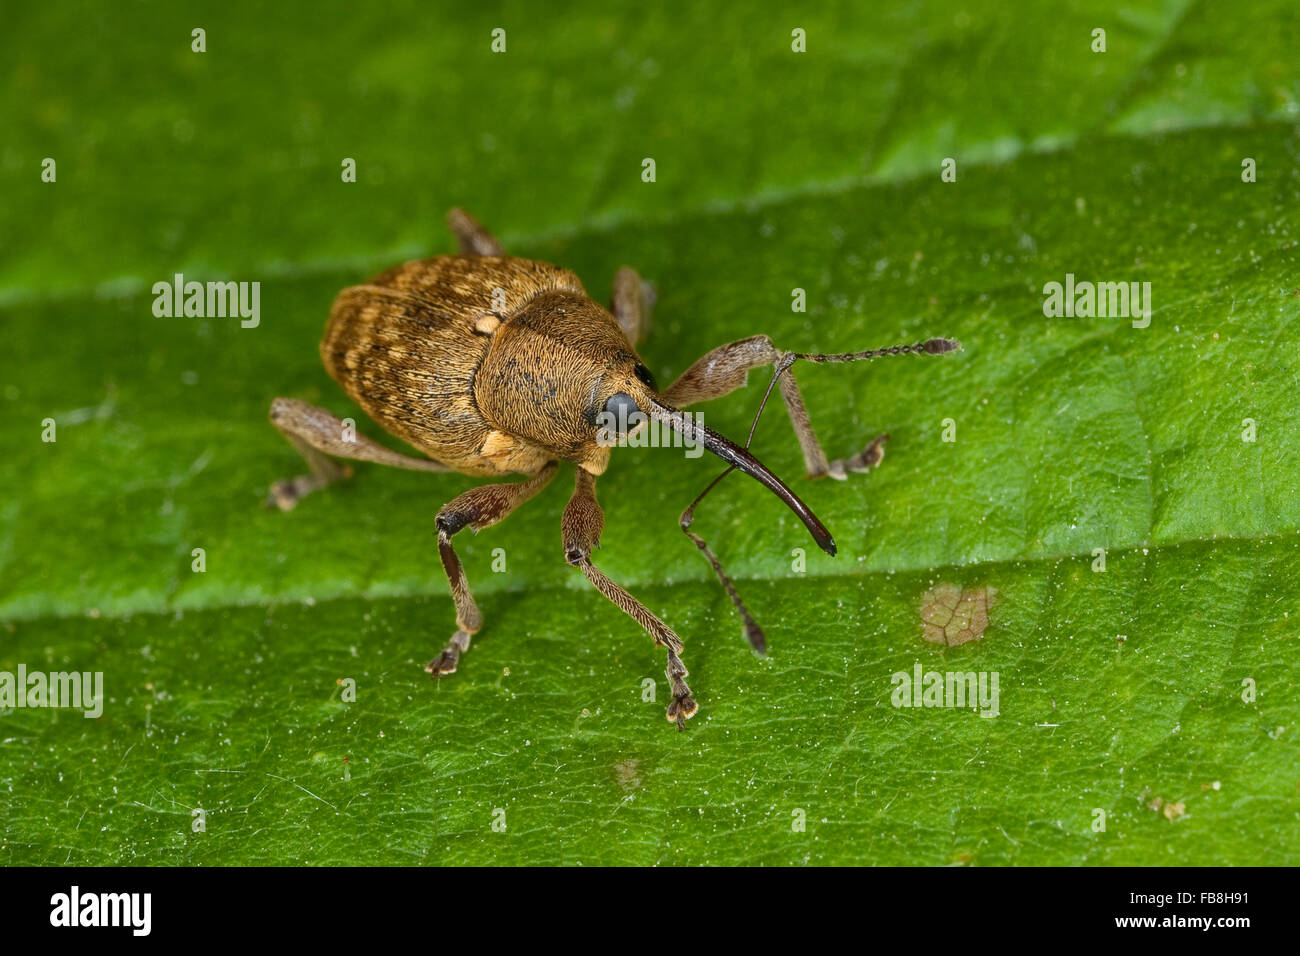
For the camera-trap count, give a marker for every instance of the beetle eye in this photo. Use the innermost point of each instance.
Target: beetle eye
(623, 412)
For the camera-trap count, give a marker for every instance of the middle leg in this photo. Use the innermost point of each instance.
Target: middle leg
(477, 508)
(631, 302)
(473, 239)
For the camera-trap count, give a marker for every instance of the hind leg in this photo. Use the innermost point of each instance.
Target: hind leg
(318, 435)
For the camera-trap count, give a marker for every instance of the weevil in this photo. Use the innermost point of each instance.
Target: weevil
(492, 365)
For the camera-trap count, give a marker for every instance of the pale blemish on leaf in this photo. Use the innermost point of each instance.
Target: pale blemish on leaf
(952, 615)
(1172, 809)
(628, 773)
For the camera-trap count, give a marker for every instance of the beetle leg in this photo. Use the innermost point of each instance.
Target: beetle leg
(317, 435)
(473, 238)
(477, 508)
(726, 368)
(631, 302)
(580, 527)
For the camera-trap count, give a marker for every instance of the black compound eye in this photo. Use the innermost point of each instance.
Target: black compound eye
(622, 406)
(645, 377)
(623, 412)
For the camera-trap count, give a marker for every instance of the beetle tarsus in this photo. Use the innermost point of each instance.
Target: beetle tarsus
(285, 494)
(865, 460)
(446, 662)
(683, 707)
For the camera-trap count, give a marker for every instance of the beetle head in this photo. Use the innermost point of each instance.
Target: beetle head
(550, 372)
(628, 401)
(561, 375)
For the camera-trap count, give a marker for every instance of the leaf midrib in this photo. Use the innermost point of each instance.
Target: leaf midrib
(363, 594)
(130, 286)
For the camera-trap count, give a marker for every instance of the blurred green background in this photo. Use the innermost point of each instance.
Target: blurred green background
(775, 170)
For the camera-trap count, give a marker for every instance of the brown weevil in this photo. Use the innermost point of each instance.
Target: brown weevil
(493, 365)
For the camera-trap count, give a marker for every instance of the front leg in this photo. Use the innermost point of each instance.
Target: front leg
(724, 370)
(580, 527)
(727, 367)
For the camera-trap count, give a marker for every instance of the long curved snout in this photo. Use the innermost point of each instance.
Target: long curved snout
(740, 458)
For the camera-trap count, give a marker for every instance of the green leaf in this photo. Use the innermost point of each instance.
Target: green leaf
(1127, 690)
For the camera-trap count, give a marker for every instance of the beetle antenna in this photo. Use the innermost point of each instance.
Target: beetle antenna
(928, 347)
(753, 633)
